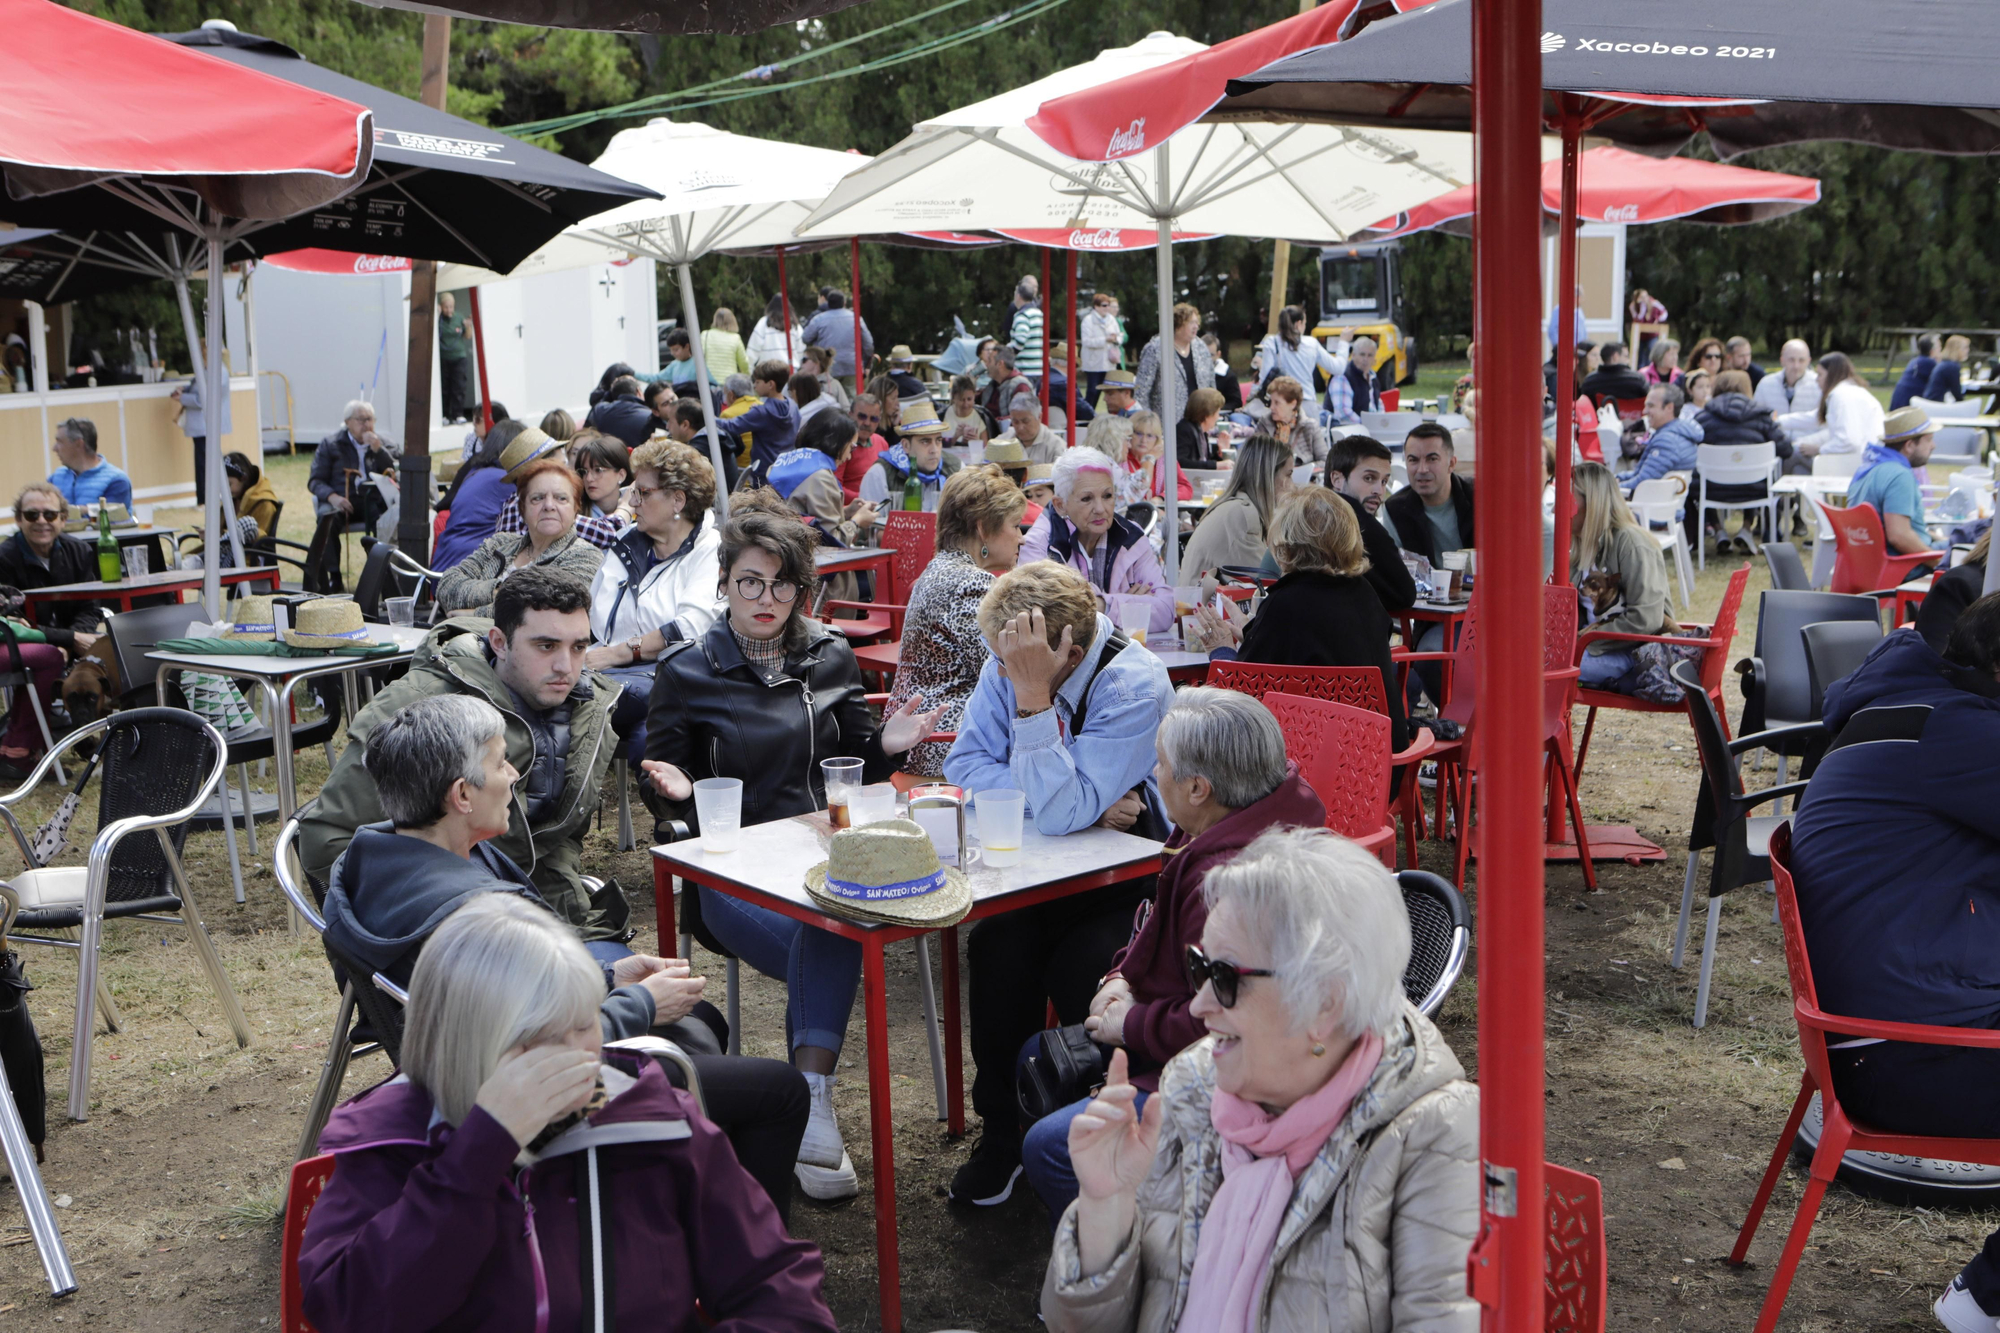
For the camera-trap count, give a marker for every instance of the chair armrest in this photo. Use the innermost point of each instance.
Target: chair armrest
(1411, 655)
(1589, 637)
(1764, 739)
(1750, 677)
(864, 606)
(391, 989)
(1927, 1034)
(1770, 794)
(1420, 745)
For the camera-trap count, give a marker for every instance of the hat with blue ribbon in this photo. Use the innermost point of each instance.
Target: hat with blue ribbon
(889, 872)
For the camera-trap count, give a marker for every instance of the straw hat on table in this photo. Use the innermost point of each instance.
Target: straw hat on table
(251, 617)
(327, 622)
(888, 872)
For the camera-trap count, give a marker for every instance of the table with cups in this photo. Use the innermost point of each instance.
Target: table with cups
(135, 586)
(1006, 863)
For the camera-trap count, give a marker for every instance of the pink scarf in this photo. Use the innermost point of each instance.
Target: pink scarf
(1261, 1156)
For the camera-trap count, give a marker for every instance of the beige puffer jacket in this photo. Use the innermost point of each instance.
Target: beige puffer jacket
(1378, 1228)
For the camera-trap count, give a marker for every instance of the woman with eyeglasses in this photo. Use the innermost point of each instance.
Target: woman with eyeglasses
(40, 555)
(1313, 1162)
(765, 695)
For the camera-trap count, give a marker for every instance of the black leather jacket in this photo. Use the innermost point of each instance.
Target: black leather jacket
(712, 716)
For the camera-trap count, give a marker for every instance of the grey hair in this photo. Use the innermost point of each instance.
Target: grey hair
(1229, 738)
(1330, 919)
(737, 385)
(1672, 394)
(500, 972)
(1005, 352)
(356, 405)
(1110, 435)
(1072, 464)
(1028, 289)
(416, 756)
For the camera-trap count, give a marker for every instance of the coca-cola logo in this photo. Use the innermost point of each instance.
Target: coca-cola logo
(380, 263)
(1104, 238)
(1622, 213)
(1128, 140)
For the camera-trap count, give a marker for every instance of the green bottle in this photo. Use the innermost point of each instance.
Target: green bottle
(110, 567)
(913, 494)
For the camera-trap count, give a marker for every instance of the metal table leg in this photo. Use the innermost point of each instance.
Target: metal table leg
(34, 1197)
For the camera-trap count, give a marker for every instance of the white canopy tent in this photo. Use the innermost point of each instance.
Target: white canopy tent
(982, 168)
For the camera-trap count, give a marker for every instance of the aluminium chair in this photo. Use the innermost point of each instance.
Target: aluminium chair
(155, 768)
(1440, 936)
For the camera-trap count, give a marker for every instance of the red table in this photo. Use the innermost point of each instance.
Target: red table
(126, 591)
(769, 868)
(1448, 614)
(832, 560)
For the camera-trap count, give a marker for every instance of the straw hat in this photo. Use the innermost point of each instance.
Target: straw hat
(1906, 424)
(1039, 474)
(918, 416)
(889, 872)
(901, 355)
(250, 617)
(1118, 379)
(327, 622)
(524, 449)
(1007, 453)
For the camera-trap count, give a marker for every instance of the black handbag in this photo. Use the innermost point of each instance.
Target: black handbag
(1066, 1067)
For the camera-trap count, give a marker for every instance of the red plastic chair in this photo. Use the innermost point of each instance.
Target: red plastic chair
(1343, 755)
(1357, 687)
(1841, 1134)
(1714, 647)
(913, 537)
(1575, 1273)
(308, 1179)
(1862, 561)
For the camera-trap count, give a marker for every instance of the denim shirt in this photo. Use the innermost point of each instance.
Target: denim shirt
(1070, 780)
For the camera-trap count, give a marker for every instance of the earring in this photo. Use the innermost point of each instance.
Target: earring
(1318, 1049)
(983, 552)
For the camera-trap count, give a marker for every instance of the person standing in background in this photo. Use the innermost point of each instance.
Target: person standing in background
(194, 423)
(1024, 329)
(833, 329)
(454, 359)
(722, 348)
(767, 339)
(1101, 339)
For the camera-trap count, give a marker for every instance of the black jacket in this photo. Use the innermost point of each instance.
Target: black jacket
(1315, 619)
(1734, 418)
(71, 560)
(336, 455)
(1608, 382)
(1406, 511)
(1951, 592)
(1387, 574)
(712, 716)
(625, 417)
(1191, 447)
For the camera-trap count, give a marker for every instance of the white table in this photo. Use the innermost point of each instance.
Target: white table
(769, 868)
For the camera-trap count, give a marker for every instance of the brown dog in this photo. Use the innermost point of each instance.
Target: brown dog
(92, 687)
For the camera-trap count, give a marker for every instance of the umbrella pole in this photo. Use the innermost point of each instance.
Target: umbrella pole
(218, 481)
(1163, 275)
(1506, 1264)
(686, 275)
(479, 360)
(854, 268)
(1048, 368)
(785, 300)
(211, 579)
(1070, 371)
(1565, 353)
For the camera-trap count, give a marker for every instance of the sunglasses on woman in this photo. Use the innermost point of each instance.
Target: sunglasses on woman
(1227, 978)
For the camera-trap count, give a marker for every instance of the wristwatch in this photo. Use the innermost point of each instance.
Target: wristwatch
(633, 643)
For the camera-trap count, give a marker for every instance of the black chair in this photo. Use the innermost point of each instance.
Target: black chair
(1777, 685)
(374, 577)
(1722, 818)
(155, 768)
(1143, 516)
(136, 633)
(1788, 571)
(1440, 935)
(1834, 648)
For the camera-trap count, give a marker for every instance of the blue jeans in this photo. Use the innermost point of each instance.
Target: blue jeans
(607, 951)
(820, 970)
(1608, 670)
(1045, 1152)
(628, 715)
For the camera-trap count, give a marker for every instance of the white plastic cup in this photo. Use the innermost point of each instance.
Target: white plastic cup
(1000, 812)
(138, 561)
(1135, 614)
(400, 610)
(718, 808)
(872, 804)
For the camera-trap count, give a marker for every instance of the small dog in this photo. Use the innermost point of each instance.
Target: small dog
(1604, 593)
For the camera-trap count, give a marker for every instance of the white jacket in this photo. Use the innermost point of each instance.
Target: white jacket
(1854, 420)
(680, 591)
(1804, 399)
(1101, 339)
(768, 344)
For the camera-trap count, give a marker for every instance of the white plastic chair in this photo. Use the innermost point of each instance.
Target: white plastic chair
(1736, 465)
(1659, 500)
(1955, 444)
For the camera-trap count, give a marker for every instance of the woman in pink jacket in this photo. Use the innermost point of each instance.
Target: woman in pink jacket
(1083, 530)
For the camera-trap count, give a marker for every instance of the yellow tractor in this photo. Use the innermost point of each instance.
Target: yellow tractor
(1360, 291)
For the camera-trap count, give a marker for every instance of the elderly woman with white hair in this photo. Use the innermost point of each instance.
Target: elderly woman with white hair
(1084, 530)
(517, 1175)
(1312, 1163)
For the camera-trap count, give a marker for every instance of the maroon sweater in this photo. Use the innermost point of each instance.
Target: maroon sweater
(1158, 1026)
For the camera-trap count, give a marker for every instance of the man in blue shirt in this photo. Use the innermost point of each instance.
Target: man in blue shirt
(1887, 479)
(1580, 334)
(1066, 710)
(85, 478)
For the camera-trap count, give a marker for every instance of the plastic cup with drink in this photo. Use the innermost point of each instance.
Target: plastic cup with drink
(872, 804)
(1000, 811)
(843, 780)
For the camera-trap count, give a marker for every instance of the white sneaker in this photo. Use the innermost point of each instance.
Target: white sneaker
(822, 1145)
(1960, 1313)
(827, 1185)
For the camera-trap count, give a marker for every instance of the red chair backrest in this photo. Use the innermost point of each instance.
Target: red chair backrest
(1860, 549)
(1357, 687)
(1798, 963)
(1343, 755)
(1630, 409)
(1715, 660)
(1574, 1271)
(913, 537)
(1559, 615)
(308, 1179)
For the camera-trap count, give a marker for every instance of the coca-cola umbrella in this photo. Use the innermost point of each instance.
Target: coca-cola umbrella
(108, 128)
(1617, 185)
(987, 166)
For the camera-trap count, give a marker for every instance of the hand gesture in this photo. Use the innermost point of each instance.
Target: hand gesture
(906, 726)
(1111, 1149)
(667, 780)
(862, 514)
(1124, 813)
(533, 1086)
(1029, 661)
(1215, 630)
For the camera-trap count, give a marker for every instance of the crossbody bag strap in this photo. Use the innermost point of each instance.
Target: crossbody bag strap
(1113, 646)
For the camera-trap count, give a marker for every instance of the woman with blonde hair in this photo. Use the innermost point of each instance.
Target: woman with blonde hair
(1944, 385)
(1234, 531)
(722, 347)
(1619, 573)
(1146, 455)
(509, 1108)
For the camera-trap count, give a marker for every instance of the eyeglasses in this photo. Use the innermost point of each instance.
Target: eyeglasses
(40, 515)
(1227, 978)
(751, 588)
(1711, 355)
(861, 420)
(641, 494)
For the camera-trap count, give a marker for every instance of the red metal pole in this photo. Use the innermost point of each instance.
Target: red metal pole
(1507, 1260)
(1565, 351)
(854, 266)
(785, 296)
(1070, 371)
(479, 360)
(1046, 367)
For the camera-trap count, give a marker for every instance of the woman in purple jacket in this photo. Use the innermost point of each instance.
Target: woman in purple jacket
(1083, 530)
(513, 1164)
